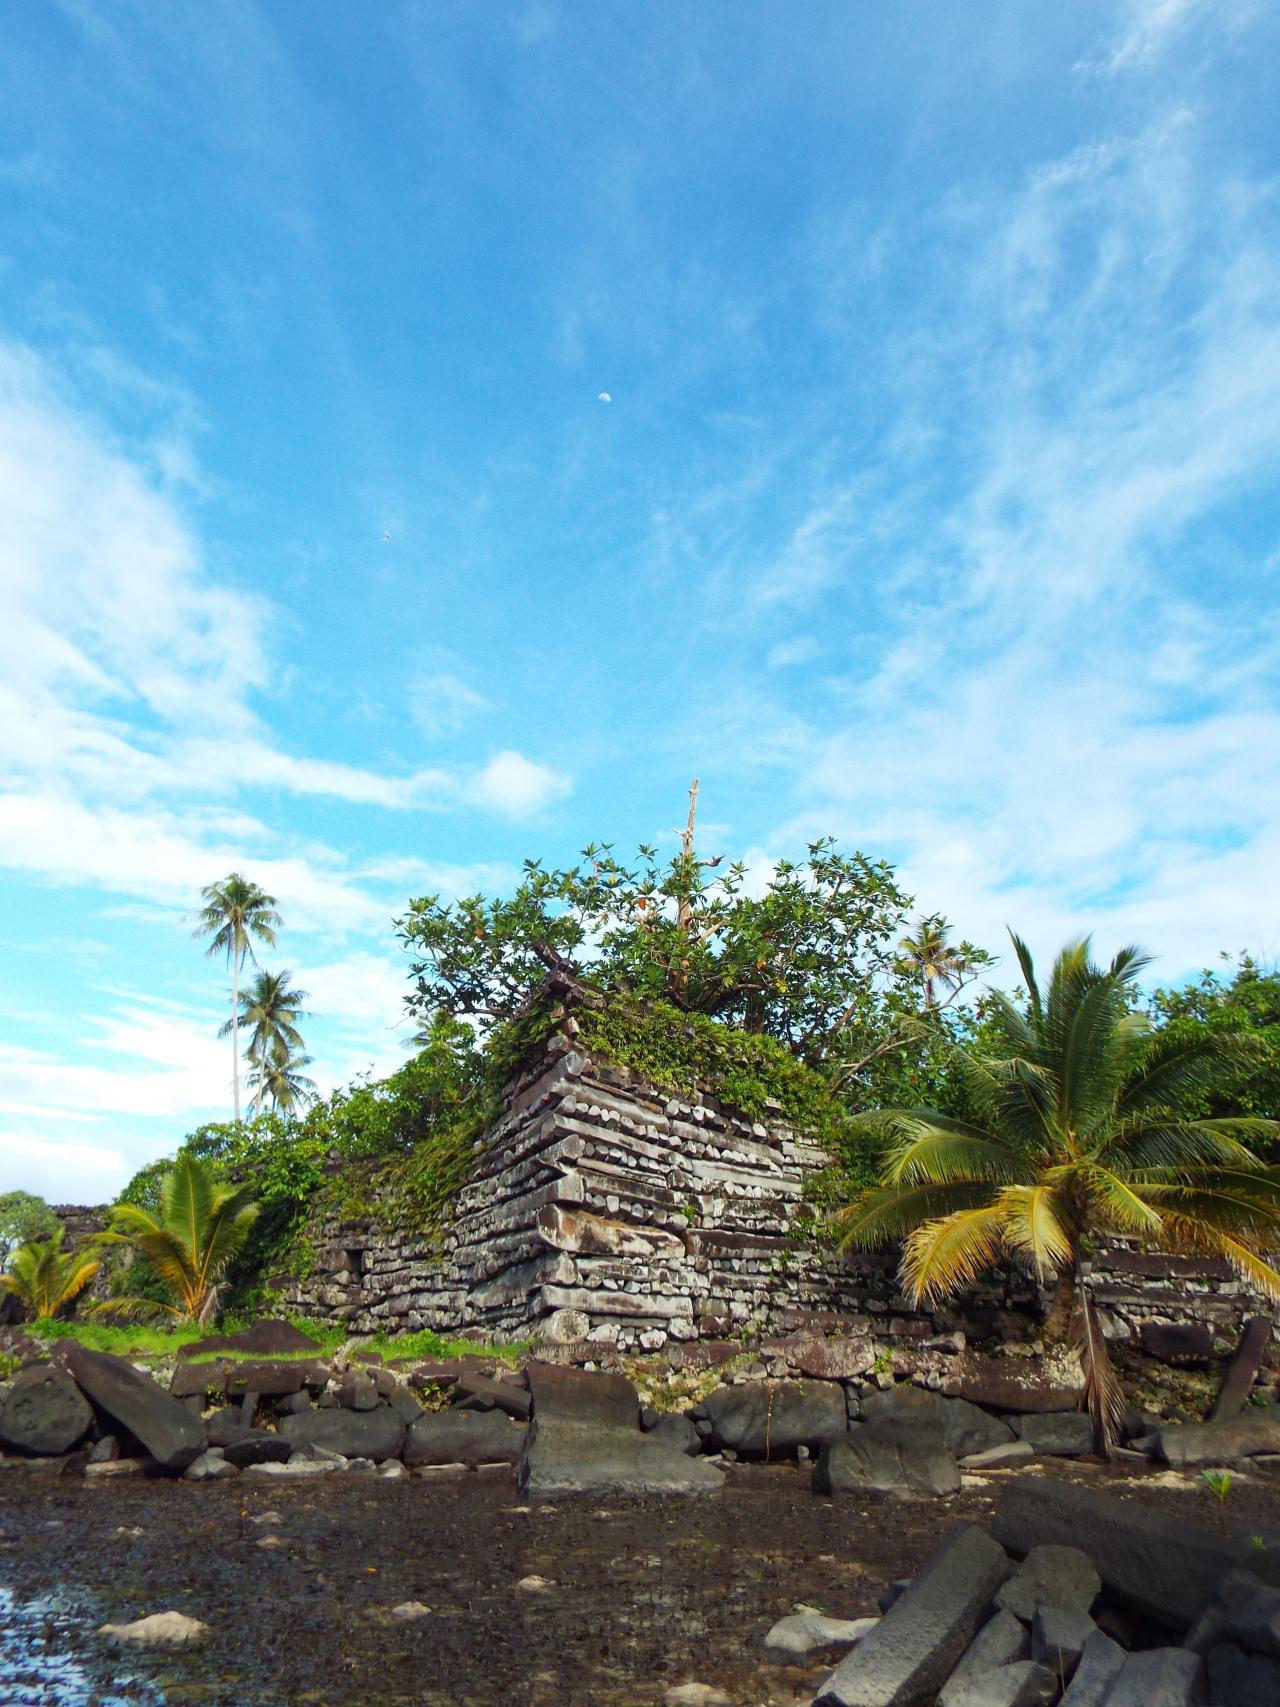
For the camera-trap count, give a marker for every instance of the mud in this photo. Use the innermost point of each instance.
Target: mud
(640, 1595)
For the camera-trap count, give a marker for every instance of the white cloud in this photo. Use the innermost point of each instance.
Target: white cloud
(516, 786)
(442, 703)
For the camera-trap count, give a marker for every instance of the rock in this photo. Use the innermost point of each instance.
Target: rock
(1011, 1384)
(830, 1360)
(266, 1338)
(109, 1468)
(1058, 1637)
(392, 1470)
(409, 1610)
(294, 1404)
(1207, 1631)
(298, 1467)
(1155, 1563)
(679, 1432)
(1014, 1452)
(194, 1380)
(1023, 1684)
(1243, 1680)
(44, 1412)
(968, 1430)
(1002, 1641)
(1051, 1576)
(403, 1403)
(463, 1437)
(1099, 1663)
(893, 1592)
(867, 1460)
(106, 1450)
(1255, 1623)
(257, 1446)
(572, 1395)
(273, 1380)
(160, 1423)
(161, 1628)
(695, 1695)
(918, 1642)
(1061, 1434)
(1188, 1445)
(806, 1633)
(767, 1418)
(535, 1585)
(562, 1457)
(1176, 1342)
(375, 1434)
(209, 1468)
(515, 1401)
(1237, 1384)
(1170, 1677)
(357, 1391)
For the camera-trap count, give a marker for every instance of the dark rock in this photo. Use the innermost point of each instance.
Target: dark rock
(1062, 1434)
(1158, 1564)
(1242, 1680)
(105, 1450)
(679, 1432)
(270, 1380)
(562, 1457)
(830, 1360)
(1176, 1342)
(44, 1412)
(1255, 1623)
(269, 1337)
(161, 1424)
(514, 1401)
(968, 1429)
(1099, 1663)
(884, 1460)
(1051, 1576)
(1237, 1384)
(910, 1654)
(1024, 1684)
(1207, 1631)
(1002, 1641)
(355, 1434)
(893, 1592)
(463, 1437)
(403, 1403)
(437, 1374)
(768, 1418)
(1011, 1384)
(195, 1380)
(573, 1395)
(294, 1404)
(1170, 1676)
(357, 1391)
(1058, 1637)
(257, 1446)
(1186, 1445)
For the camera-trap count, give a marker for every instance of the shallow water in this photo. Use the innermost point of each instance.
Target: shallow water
(43, 1663)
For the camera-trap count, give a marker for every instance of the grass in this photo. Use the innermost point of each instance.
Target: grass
(147, 1340)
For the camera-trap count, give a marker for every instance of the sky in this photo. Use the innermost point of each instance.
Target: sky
(433, 433)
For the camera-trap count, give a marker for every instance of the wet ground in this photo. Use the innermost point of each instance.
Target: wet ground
(297, 1581)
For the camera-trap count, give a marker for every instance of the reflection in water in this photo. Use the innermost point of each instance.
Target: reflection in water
(39, 1666)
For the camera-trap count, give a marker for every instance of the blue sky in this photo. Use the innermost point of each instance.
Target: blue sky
(932, 502)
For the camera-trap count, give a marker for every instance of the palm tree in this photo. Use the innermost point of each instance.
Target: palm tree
(199, 1227)
(1081, 1127)
(934, 959)
(234, 912)
(279, 1076)
(270, 1008)
(45, 1277)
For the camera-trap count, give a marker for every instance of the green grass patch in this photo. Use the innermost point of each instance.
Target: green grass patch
(127, 1339)
(428, 1344)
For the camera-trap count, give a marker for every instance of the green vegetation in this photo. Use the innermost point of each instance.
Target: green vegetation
(24, 1219)
(1219, 1484)
(236, 911)
(1241, 1007)
(270, 1009)
(45, 1278)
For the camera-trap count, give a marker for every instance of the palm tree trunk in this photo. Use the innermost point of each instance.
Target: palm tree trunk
(235, 1036)
(1058, 1322)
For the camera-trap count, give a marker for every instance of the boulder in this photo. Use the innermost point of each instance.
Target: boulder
(1060, 1434)
(830, 1360)
(270, 1337)
(162, 1424)
(768, 1418)
(355, 1434)
(256, 1446)
(1237, 1383)
(1058, 1638)
(1176, 1342)
(463, 1437)
(274, 1379)
(210, 1467)
(1170, 1676)
(1024, 1684)
(1189, 1445)
(166, 1629)
(880, 1460)
(573, 1395)
(1051, 1576)
(1002, 1641)
(679, 1432)
(562, 1456)
(194, 1379)
(1099, 1663)
(1244, 1680)
(1011, 1384)
(504, 1395)
(915, 1647)
(1254, 1624)
(805, 1633)
(44, 1412)
(1157, 1564)
(968, 1430)
(357, 1391)
(403, 1403)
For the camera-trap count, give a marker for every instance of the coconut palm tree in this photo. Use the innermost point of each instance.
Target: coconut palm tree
(934, 959)
(234, 912)
(1081, 1127)
(278, 1076)
(269, 1009)
(199, 1227)
(45, 1277)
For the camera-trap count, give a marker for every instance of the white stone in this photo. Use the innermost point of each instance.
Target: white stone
(160, 1627)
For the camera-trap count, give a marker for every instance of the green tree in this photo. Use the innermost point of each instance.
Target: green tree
(45, 1277)
(1241, 1000)
(188, 1240)
(277, 1078)
(269, 1010)
(24, 1219)
(1085, 1122)
(236, 911)
(939, 964)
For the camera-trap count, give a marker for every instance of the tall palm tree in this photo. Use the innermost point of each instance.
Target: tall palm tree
(279, 1077)
(189, 1240)
(270, 1008)
(45, 1277)
(234, 912)
(934, 959)
(1081, 1127)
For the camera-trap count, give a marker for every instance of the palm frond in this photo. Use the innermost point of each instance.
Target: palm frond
(949, 1253)
(1172, 1066)
(1123, 1204)
(1034, 1228)
(1181, 1143)
(890, 1212)
(1103, 1394)
(1027, 967)
(134, 1307)
(933, 1146)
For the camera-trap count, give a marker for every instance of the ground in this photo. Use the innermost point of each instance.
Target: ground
(642, 1595)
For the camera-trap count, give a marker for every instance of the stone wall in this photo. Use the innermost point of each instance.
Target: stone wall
(604, 1214)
